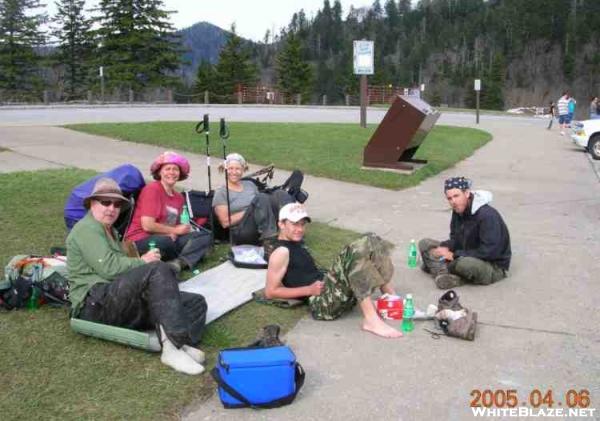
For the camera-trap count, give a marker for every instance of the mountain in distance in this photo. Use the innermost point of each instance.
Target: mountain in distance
(201, 41)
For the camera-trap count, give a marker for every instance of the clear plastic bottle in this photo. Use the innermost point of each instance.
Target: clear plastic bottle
(412, 254)
(185, 216)
(408, 314)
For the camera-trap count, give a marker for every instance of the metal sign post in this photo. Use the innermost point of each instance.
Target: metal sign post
(477, 91)
(363, 66)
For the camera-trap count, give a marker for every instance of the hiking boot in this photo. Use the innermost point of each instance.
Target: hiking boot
(448, 280)
(267, 337)
(463, 328)
(449, 301)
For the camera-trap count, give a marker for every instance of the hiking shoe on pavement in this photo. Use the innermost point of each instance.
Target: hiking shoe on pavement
(448, 280)
(449, 301)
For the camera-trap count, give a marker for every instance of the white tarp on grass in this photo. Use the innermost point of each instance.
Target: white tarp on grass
(225, 287)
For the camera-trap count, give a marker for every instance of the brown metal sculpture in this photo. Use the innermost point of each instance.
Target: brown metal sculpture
(401, 132)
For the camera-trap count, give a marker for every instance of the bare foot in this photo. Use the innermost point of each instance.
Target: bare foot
(380, 328)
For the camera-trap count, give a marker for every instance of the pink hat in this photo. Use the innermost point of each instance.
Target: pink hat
(170, 157)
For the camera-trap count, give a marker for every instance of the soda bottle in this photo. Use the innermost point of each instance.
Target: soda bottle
(34, 299)
(412, 254)
(407, 314)
(185, 216)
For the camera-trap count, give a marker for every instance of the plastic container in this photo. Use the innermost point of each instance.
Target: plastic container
(185, 216)
(259, 374)
(390, 307)
(408, 324)
(412, 254)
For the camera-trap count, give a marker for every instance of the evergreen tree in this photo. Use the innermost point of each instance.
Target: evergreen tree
(19, 34)
(234, 68)
(138, 45)
(294, 74)
(205, 79)
(492, 97)
(75, 46)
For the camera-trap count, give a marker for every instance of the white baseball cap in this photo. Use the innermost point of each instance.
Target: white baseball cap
(293, 212)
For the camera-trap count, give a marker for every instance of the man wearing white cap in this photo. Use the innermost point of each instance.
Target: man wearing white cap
(356, 272)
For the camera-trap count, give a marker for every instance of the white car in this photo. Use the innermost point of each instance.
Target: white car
(587, 135)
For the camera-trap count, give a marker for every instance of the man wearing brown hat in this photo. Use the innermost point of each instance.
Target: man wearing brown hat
(478, 250)
(107, 286)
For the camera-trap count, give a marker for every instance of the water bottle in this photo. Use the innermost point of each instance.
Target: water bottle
(407, 314)
(152, 245)
(412, 254)
(185, 216)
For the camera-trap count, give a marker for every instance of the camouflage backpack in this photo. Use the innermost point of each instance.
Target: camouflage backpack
(26, 272)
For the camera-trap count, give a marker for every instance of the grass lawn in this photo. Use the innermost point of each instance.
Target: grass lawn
(325, 150)
(50, 372)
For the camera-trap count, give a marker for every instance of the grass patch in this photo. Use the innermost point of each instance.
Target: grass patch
(325, 150)
(50, 372)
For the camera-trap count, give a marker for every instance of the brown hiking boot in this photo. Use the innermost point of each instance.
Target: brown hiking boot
(449, 301)
(448, 280)
(463, 328)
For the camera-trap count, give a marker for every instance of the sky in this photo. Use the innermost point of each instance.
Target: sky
(252, 17)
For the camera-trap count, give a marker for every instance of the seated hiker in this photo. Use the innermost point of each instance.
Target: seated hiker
(156, 217)
(356, 272)
(478, 250)
(253, 214)
(107, 286)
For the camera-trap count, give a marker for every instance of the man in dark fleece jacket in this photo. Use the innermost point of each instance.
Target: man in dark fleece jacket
(478, 250)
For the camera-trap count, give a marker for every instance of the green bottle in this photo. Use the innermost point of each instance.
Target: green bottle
(185, 216)
(408, 313)
(34, 299)
(151, 245)
(412, 254)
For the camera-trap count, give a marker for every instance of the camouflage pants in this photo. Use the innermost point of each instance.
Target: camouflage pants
(470, 269)
(362, 266)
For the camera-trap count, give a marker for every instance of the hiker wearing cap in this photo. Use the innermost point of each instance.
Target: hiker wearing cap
(253, 217)
(156, 217)
(107, 286)
(362, 267)
(478, 250)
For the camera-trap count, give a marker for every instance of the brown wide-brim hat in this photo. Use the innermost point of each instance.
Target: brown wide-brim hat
(105, 188)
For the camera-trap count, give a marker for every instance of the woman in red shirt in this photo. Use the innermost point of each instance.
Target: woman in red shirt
(157, 216)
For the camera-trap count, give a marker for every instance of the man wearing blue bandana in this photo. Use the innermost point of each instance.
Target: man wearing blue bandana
(478, 250)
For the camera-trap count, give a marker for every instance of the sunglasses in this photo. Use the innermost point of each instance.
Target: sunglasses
(106, 203)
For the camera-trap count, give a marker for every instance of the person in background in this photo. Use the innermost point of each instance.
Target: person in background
(157, 216)
(572, 105)
(109, 287)
(552, 112)
(594, 108)
(563, 112)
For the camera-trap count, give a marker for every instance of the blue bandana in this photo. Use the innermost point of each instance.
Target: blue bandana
(461, 183)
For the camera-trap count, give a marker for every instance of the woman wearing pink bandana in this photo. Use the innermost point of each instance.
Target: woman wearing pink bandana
(157, 216)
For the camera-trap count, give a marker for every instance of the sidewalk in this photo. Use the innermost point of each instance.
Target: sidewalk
(539, 326)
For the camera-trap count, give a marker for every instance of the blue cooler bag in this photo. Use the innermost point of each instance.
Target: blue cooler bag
(258, 377)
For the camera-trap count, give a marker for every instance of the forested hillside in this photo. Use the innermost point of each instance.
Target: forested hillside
(525, 51)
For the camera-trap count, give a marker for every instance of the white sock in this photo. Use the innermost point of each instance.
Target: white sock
(196, 354)
(177, 359)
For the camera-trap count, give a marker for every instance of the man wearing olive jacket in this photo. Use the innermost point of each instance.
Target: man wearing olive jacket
(478, 250)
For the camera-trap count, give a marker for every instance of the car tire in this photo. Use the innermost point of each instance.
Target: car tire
(594, 146)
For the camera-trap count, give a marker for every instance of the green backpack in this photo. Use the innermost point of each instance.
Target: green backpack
(24, 273)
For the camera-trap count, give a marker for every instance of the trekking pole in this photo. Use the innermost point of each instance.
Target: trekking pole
(203, 127)
(224, 135)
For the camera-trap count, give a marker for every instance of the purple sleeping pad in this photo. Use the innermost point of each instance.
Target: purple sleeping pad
(128, 177)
